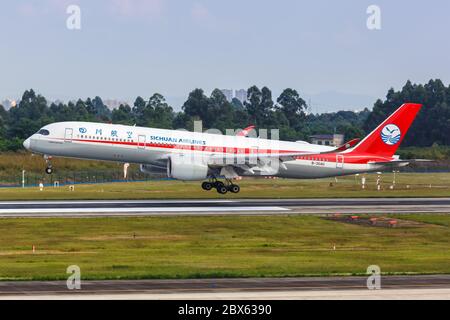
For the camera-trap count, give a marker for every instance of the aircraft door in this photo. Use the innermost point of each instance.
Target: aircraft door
(254, 150)
(339, 161)
(68, 135)
(141, 142)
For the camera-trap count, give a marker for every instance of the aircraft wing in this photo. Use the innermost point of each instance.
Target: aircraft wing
(282, 156)
(230, 159)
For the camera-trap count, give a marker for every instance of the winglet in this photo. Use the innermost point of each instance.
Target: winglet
(347, 145)
(245, 132)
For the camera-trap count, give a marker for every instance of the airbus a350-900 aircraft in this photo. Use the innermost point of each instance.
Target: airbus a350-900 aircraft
(202, 156)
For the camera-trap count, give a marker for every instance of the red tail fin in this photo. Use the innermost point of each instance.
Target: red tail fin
(388, 136)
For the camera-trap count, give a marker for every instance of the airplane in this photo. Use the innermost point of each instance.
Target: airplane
(197, 156)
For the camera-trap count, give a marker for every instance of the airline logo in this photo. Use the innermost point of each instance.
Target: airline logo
(391, 134)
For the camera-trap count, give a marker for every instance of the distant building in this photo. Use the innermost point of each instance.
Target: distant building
(241, 95)
(113, 103)
(9, 103)
(228, 94)
(334, 140)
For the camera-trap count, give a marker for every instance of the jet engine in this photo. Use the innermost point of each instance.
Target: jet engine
(152, 169)
(187, 167)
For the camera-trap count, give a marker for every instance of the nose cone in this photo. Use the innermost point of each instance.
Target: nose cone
(26, 144)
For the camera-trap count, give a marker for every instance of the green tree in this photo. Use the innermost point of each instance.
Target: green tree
(3, 121)
(293, 107)
(101, 111)
(139, 111)
(158, 113)
(431, 125)
(123, 115)
(253, 105)
(220, 112)
(30, 115)
(237, 104)
(197, 107)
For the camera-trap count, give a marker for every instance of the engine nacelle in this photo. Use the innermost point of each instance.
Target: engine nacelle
(152, 169)
(187, 167)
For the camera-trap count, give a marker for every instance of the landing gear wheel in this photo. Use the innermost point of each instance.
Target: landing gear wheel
(207, 186)
(234, 188)
(218, 184)
(48, 170)
(222, 189)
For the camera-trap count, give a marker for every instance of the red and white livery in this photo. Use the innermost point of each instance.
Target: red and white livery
(202, 156)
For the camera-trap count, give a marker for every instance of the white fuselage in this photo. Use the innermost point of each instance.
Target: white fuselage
(129, 144)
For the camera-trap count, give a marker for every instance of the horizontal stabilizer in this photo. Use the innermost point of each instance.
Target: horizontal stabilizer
(399, 162)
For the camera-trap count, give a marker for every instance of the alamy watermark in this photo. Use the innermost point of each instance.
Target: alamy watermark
(374, 280)
(374, 19)
(224, 152)
(74, 280)
(73, 22)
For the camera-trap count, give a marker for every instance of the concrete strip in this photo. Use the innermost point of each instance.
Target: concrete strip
(391, 294)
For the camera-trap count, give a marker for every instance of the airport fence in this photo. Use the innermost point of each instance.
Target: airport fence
(428, 167)
(61, 178)
(30, 179)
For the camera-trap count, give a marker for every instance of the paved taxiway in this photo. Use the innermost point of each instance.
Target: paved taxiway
(395, 294)
(392, 287)
(221, 207)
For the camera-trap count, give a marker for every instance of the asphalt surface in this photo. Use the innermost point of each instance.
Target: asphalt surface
(221, 207)
(130, 287)
(436, 286)
(224, 203)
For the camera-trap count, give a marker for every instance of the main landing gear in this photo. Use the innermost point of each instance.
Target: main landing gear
(220, 186)
(48, 162)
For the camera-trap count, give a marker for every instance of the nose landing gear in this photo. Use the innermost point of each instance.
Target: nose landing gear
(49, 168)
(221, 187)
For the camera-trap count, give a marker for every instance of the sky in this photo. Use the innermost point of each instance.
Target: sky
(130, 48)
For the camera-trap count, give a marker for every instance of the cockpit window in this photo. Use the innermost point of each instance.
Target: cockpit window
(44, 132)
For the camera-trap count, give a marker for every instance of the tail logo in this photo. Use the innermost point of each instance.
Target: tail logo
(391, 134)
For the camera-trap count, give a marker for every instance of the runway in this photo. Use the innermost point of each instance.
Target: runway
(392, 287)
(16, 209)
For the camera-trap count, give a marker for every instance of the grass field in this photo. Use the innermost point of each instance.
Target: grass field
(191, 247)
(407, 185)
